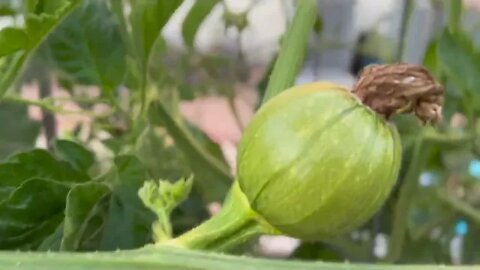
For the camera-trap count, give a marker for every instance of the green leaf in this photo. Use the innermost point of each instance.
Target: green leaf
(460, 62)
(194, 19)
(41, 163)
(162, 197)
(81, 201)
(459, 59)
(37, 27)
(129, 222)
(94, 226)
(33, 191)
(36, 164)
(213, 178)
(43, 6)
(12, 40)
(80, 158)
(53, 241)
(147, 19)
(21, 133)
(88, 46)
(31, 213)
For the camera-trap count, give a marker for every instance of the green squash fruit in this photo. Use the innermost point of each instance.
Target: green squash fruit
(315, 162)
(318, 160)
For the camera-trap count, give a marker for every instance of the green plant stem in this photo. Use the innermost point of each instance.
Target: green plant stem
(49, 121)
(293, 49)
(406, 15)
(47, 104)
(461, 206)
(235, 224)
(420, 153)
(158, 258)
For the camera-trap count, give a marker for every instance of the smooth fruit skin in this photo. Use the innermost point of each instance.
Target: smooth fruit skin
(314, 162)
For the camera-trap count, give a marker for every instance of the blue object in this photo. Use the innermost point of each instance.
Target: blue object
(461, 228)
(474, 168)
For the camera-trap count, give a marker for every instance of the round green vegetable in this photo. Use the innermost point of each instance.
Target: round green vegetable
(314, 162)
(319, 160)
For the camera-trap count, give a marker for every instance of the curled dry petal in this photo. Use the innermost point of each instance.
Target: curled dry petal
(401, 88)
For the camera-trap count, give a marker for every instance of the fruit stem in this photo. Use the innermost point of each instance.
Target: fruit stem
(234, 225)
(401, 88)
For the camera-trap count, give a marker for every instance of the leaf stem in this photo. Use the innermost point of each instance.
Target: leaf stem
(293, 49)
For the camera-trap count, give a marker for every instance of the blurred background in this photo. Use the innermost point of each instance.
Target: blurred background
(210, 69)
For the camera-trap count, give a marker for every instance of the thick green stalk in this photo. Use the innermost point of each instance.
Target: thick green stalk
(293, 49)
(158, 258)
(234, 225)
